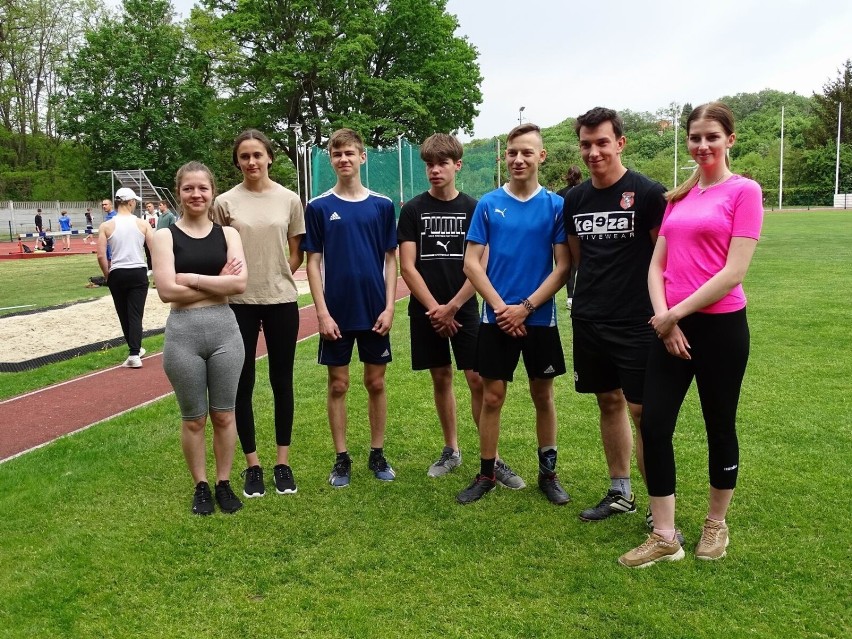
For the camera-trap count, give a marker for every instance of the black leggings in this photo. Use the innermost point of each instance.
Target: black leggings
(719, 348)
(129, 289)
(280, 330)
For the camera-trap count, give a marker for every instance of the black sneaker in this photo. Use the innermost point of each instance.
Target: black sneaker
(477, 490)
(381, 468)
(284, 482)
(202, 501)
(552, 489)
(225, 497)
(613, 503)
(341, 472)
(253, 486)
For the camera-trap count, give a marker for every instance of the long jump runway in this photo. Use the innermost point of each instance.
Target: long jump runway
(34, 419)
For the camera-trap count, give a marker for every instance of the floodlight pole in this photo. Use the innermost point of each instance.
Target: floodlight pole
(676, 117)
(411, 169)
(837, 162)
(521, 115)
(305, 170)
(781, 165)
(297, 131)
(367, 167)
(399, 153)
(310, 170)
(499, 162)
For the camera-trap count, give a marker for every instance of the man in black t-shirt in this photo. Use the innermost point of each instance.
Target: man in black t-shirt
(612, 222)
(443, 309)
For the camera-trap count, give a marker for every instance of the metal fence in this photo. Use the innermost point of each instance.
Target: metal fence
(19, 217)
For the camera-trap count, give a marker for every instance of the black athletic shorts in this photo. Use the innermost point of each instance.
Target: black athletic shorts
(611, 355)
(372, 348)
(430, 350)
(497, 353)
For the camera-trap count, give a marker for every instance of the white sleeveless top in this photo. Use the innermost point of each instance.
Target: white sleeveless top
(126, 244)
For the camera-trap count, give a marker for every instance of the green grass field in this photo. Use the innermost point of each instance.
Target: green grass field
(96, 539)
(47, 281)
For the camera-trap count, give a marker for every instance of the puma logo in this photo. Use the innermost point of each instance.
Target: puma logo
(444, 245)
(502, 212)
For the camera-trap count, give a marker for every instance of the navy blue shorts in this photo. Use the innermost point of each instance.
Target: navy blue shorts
(372, 348)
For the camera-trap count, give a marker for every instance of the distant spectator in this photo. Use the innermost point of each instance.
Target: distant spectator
(65, 227)
(109, 212)
(572, 178)
(167, 218)
(38, 223)
(89, 228)
(125, 270)
(150, 215)
(151, 218)
(44, 242)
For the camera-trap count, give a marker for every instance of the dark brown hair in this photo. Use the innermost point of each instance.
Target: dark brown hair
(595, 117)
(252, 134)
(441, 146)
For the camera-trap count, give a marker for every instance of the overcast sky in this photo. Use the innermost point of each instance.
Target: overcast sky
(559, 58)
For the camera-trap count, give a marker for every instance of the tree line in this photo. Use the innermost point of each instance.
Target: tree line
(85, 88)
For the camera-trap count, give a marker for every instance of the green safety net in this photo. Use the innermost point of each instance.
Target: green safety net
(399, 173)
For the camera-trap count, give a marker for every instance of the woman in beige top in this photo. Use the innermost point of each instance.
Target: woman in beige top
(271, 223)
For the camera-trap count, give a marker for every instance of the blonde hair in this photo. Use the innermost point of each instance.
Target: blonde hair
(195, 167)
(718, 112)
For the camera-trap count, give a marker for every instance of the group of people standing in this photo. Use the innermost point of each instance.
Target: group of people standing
(657, 302)
(44, 241)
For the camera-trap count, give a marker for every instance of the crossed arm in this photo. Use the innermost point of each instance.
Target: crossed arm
(188, 288)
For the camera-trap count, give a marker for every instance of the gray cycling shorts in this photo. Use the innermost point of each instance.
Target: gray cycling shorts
(203, 356)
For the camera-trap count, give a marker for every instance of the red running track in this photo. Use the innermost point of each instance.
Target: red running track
(37, 418)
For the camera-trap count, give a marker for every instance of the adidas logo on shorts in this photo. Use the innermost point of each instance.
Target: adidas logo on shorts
(549, 370)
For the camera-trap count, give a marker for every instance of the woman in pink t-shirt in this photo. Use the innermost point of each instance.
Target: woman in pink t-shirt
(708, 236)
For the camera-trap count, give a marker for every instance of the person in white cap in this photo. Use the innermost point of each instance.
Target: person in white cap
(127, 272)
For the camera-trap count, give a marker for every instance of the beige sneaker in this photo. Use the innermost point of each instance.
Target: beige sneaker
(714, 540)
(654, 549)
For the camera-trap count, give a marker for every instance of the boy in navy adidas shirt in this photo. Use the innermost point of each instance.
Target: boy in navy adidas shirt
(520, 225)
(350, 240)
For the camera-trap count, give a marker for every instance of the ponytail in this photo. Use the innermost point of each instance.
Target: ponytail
(722, 114)
(678, 193)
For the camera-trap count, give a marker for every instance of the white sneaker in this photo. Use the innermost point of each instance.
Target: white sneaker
(142, 352)
(134, 361)
(569, 303)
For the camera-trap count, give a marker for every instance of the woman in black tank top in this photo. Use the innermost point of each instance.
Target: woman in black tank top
(197, 265)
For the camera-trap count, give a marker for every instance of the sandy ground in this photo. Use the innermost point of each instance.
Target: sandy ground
(54, 331)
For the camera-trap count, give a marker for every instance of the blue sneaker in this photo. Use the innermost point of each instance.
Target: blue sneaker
(381, 468)
(339, 477)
